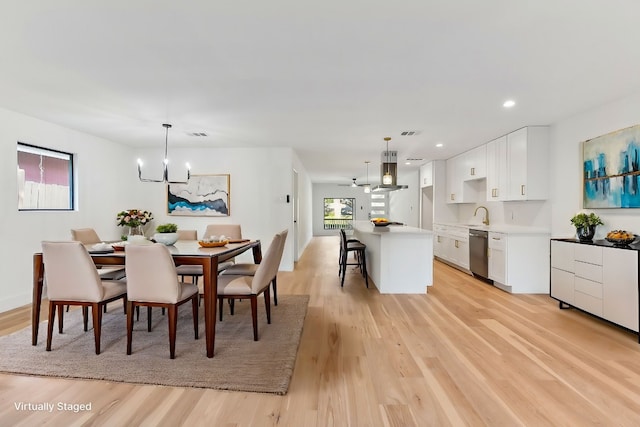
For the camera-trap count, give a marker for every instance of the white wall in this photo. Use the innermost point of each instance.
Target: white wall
(404, 205)
(566, 165)
(305, 206)
(103, 186)
(107, 181)
(361, 206)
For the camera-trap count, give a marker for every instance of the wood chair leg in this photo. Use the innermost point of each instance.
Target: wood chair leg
(85, 317)
(267, 304)
(130, 324)
(61, 318)
(96, 312)
(275, 290)
(254, 316)
(149, 318)
(52, 316)
(173, 322)
(194, 308)
(232, 305)
(220, 307)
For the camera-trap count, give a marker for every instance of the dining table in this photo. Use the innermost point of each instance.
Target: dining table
(184, 252)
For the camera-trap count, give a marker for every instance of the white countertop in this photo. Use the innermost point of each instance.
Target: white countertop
(368, 227)
(502, 228)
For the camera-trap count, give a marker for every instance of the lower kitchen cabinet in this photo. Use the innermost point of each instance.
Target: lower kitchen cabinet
(519, 263)
(597, 278)
(451, 244)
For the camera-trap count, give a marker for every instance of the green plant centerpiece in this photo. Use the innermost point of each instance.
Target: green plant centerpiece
(166, 234)
(585, 225)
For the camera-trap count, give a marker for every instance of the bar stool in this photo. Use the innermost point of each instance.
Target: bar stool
(359, 250)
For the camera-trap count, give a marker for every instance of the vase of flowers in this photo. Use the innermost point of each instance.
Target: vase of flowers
(135, 219)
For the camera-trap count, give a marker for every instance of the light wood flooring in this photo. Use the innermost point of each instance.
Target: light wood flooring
(464, 354)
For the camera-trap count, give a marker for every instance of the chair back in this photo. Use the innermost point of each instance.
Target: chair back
(151, 274)
(232, 231)
(268, 267)
(343, 239)
(86, 236)
(187, 235)
(70, 273)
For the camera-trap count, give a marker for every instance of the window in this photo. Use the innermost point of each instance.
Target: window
(45, 179)
(338, 213)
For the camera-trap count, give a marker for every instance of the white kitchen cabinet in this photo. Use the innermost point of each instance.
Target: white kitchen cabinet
(498, 257)
(519, 262)
(517, 165)
(454, 180)
(598, 279)
(497, 169)
(451, 244)
(426, 175)
(473, 164)
(527, 164)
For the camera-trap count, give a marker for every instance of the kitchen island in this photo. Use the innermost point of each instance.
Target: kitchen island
(399, 258)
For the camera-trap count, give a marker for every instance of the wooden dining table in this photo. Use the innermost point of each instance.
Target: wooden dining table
(183, 252)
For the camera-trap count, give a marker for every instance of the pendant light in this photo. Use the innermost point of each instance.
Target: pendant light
(387, 179)
(367, 186)
(165, 167)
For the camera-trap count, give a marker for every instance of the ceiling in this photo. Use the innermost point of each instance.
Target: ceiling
(329, 78)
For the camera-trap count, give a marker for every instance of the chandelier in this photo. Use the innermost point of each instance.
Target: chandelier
(165, 164)
(367, 186)
(387, 179)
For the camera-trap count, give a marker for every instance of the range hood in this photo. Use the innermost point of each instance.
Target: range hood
(389, 165)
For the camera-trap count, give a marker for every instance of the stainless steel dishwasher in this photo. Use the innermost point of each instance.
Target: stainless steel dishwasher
(478, 254)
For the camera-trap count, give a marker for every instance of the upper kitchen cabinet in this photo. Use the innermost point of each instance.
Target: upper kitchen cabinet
(473, 164)
(528, 163)
(517, 165)
(426, 175)
(454, 179)
(497, 169)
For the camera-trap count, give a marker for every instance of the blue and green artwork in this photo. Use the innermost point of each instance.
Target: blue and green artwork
(612, 170)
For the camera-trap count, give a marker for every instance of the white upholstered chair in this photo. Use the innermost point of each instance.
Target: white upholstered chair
(234, 287)
(152, 281)
(72, 279)
(88, 236)
(249, 269)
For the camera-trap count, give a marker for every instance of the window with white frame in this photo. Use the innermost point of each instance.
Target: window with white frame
(45, 179)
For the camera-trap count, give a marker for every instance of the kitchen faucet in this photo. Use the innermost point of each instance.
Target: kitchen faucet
(485, 221)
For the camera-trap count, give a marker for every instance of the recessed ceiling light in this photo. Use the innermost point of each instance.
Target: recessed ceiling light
(509, 103)
(407, 163)
(439, 145)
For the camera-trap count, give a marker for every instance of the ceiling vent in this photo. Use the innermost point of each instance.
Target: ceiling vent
(197, 134)
(410, 133)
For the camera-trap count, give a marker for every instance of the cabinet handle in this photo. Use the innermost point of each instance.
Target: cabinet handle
(456, 244)
(473, 171)
(522, 190)
(438, 239)
(453, 196)
(489, 253)
(496, 238)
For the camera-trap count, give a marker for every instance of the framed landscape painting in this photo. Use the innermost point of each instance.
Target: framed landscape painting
(203, 195)
(611, 169)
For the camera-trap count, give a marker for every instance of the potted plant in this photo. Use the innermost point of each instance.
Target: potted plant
(585, 225)
(166, 234)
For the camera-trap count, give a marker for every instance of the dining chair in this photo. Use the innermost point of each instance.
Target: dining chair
(72, 279)
(88, 236)
(232, 287)
(193, 271)
(152, 281)
(249, 269)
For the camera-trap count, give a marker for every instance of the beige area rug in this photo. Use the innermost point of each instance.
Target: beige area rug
(239, 363)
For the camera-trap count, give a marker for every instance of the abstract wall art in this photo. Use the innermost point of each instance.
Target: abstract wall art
(612, 170)
(203, 195)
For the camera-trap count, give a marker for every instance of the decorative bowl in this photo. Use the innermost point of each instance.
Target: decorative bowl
(381, 223)
(166, 238)
(213, 244)
(621, 242)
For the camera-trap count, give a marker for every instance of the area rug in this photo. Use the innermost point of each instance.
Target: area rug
(239, 363)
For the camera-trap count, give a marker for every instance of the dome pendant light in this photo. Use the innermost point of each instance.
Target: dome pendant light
(367, 186)
(387, 179)
(165, 167)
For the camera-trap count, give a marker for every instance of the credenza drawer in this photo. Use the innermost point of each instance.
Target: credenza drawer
(588, 287)
(588, 303)
(588, 271)
(590, 254)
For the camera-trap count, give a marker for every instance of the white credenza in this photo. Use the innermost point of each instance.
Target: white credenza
(598, 278)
